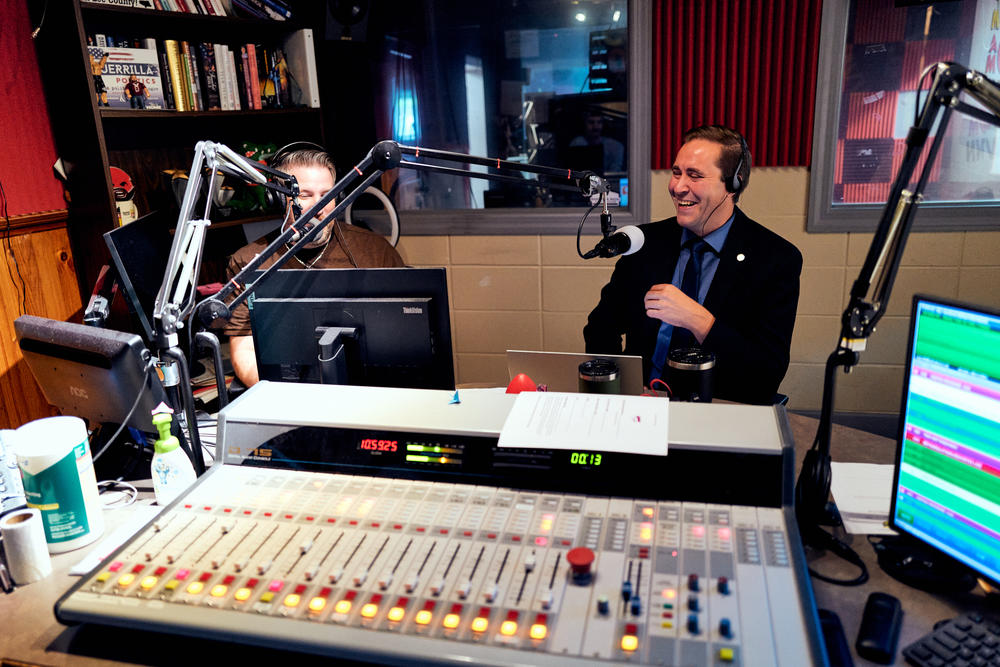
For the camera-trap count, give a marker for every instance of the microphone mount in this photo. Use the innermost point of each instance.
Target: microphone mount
(865, 308)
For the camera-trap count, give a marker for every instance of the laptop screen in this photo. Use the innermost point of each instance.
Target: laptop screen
(946, 492)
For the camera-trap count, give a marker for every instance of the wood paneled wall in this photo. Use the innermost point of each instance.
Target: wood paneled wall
(45, 263)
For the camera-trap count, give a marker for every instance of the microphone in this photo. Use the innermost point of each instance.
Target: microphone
(625, 241)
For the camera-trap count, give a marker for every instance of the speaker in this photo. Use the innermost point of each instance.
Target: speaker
(347, 20)
(734, 183)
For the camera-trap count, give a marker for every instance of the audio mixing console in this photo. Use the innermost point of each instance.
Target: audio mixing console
(412, 538)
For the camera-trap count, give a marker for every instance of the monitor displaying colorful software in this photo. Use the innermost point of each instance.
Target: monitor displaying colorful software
(946, 490)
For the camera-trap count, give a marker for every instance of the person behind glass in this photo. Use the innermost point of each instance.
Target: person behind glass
(336, 246)
(743, 282)
(593, 135)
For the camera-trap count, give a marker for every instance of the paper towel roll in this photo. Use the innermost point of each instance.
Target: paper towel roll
(24, 543)
(59, 481)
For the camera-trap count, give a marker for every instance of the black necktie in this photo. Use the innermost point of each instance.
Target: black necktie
(690, 282)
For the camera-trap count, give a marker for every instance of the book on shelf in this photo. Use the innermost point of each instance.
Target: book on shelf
(254, 75)
(300, 56)
(177, 76)
(122, 63)
(279, 8)
(131, 4)
(165, 76)
(210, 78)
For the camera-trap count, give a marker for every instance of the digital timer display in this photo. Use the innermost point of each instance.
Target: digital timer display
(585, 459)
(375, 445)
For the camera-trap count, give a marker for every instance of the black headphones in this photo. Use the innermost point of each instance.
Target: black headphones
(276, 198)
(734, 184)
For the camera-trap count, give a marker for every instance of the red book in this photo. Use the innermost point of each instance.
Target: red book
(254, 76)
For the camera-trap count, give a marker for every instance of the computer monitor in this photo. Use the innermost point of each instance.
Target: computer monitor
(91, 373)
(139, 252)
(946, 488)
(398, 321)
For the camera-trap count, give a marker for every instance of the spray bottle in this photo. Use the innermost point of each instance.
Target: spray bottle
(172, 469)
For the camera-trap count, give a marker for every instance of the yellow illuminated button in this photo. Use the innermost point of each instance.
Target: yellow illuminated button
(726, 654)
(667, 624)
(267, 596)
(126, 580)
(423, 617)
(369, 610)
(342, 607)
(480, 623)
(219, 590)
(172, 585)
(103, 577)
(243, 594)
(292, 600)
(396, 614)
(669, 593)
(451, 621)
(538, 631)
(647, 512)
(195, 587)
(317, 604)
(630, 643)
(508, 628)
(148, 582)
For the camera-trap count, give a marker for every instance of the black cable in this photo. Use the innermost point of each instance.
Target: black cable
(135, 404)
(825, 540)
(580, 229)
(10, 253)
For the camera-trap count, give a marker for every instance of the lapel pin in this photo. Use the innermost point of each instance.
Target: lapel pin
(740, 257)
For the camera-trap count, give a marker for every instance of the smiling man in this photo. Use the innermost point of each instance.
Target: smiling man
(738, 297)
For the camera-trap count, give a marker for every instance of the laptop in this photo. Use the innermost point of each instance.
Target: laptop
(559, 371)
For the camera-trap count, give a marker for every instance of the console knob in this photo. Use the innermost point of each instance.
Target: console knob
(692, 624)
(580, 561)
(724, 585)
(693, 582)
(693, 603)
(603, 606)
(726, 628)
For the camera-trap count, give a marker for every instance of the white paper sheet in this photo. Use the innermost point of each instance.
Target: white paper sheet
(862, 492)
(596, 422)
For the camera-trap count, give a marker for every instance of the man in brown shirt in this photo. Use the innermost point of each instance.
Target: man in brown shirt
(337, 246)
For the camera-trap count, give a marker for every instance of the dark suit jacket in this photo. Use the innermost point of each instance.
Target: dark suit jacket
(753, 296)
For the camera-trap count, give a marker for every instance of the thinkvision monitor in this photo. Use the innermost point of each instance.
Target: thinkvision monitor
(946, 490)
(376, 327)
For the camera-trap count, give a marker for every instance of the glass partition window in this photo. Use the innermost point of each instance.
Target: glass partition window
(542, 82)
(885, 50)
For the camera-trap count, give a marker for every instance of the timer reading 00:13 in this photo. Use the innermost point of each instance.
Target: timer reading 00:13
(374, 445)
(585, 459)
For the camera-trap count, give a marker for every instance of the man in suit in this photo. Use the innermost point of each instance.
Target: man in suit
(743, 281)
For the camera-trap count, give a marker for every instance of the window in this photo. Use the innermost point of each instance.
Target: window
(872, 64)
(544, 82)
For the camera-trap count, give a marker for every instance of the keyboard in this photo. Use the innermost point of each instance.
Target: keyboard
(971, 639)
(11, 490)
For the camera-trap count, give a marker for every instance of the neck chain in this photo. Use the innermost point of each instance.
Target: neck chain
(317, 257)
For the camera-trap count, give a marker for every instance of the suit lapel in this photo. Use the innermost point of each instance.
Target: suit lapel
(730, 269)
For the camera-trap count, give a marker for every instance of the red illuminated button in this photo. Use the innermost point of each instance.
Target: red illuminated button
(580, 561)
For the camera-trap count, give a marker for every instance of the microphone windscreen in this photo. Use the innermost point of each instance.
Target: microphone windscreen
(635, 236)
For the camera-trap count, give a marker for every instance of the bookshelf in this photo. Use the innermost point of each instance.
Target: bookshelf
(90, 138)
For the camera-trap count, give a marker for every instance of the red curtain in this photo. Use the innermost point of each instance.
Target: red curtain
(748, 64)
(25, 133)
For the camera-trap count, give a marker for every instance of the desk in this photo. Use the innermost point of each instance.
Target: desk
(30, 632)
(920, 610)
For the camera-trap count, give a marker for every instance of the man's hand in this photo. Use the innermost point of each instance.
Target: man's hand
(244, 359)
(669, 304)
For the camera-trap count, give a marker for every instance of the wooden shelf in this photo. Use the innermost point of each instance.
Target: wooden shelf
(134, 114)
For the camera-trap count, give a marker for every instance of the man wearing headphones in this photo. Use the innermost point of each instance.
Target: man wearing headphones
(336, 246)
(739, 296)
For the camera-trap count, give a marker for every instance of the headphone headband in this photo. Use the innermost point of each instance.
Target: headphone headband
(734, 183)
(280, 154)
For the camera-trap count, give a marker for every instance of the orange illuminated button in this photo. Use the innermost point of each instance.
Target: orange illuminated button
(509, 626)
(126, 580)
(370, 609)
(453, 617)
(539, 629)
(629, 640)
(148, 582)
(425, 615)
(482, 620)
(318, 603)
